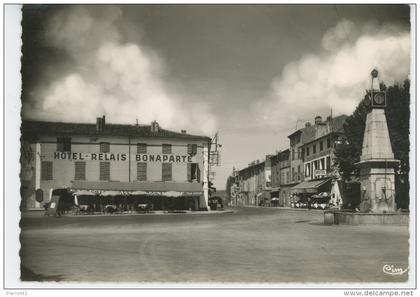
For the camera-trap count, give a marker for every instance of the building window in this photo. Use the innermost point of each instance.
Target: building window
(312, 169)
(166, 149)
(80, 170)
(141, 148)
(328, 142)
(142, 171)
(307, 169)
(321, 146)
(47, 170)
(322, 164)
(328, 163)
(287, 177)
(192, 149)
(166, 171)
(293, 174)
(314, 149)
(104, 147)
(298, 173)
(307, 151)
(193, 172)
(63, 144)
(104, 171)
(293, 154)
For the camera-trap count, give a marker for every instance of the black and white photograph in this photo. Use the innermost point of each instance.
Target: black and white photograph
(210, 145)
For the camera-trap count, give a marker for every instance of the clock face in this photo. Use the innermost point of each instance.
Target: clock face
(379, 99)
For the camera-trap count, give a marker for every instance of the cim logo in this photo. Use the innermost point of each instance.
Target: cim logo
(394, 269)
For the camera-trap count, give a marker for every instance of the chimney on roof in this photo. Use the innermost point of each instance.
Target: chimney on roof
(154, 127)
(307, 124)
(100, 124)
(184, 131)
(318, 120)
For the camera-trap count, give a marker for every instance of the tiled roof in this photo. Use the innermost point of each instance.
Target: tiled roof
(31, 129)
(251, 166)
(284, 155)
(280, 156)
(309, 133)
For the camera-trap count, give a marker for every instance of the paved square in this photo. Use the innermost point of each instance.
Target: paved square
(250, 245)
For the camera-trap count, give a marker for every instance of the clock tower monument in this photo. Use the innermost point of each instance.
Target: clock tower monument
(377, 163)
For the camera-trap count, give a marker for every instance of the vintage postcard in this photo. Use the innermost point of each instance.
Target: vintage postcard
(211, 146)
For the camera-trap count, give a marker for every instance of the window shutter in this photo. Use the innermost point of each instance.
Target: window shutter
(166, 171)
(104, 171)
(166, 149)
(141, 148)
(189, 149)
(189, 171)
(104, 147)
(142, 171)
(80, 170)
(63, 144)
(47, 170)
(67, 144)
(198, 173)
(60, 147)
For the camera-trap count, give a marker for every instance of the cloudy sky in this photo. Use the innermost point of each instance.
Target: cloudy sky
(252, 72)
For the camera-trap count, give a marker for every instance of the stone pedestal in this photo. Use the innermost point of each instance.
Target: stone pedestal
(376, 141)
(377, 182)
(377, 166)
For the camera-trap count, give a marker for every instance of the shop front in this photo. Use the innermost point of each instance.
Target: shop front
(312, 193)
(275, 197)
(145, 196)
(264, 198)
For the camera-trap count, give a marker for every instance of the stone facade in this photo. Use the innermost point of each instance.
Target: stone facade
(377, 165)
(116, 157)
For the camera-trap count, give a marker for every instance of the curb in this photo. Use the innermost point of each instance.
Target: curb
(40, 214)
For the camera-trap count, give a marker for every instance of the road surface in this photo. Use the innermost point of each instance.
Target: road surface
(251, 245)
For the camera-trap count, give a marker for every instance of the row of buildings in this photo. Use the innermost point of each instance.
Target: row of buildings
(301, 173)
(136, 163)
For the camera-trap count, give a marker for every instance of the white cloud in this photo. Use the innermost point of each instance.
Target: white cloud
(122, 80)
(338, 76)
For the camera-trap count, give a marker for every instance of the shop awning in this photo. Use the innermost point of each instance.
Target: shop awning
(138, 186)
(84, 193)
(138, 193)
(111, 193)
(310, 186)
(172, 194)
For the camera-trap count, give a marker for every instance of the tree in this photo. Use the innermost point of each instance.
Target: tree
(397, 113)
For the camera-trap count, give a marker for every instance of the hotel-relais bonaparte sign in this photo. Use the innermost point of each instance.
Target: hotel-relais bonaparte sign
(165, 158)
